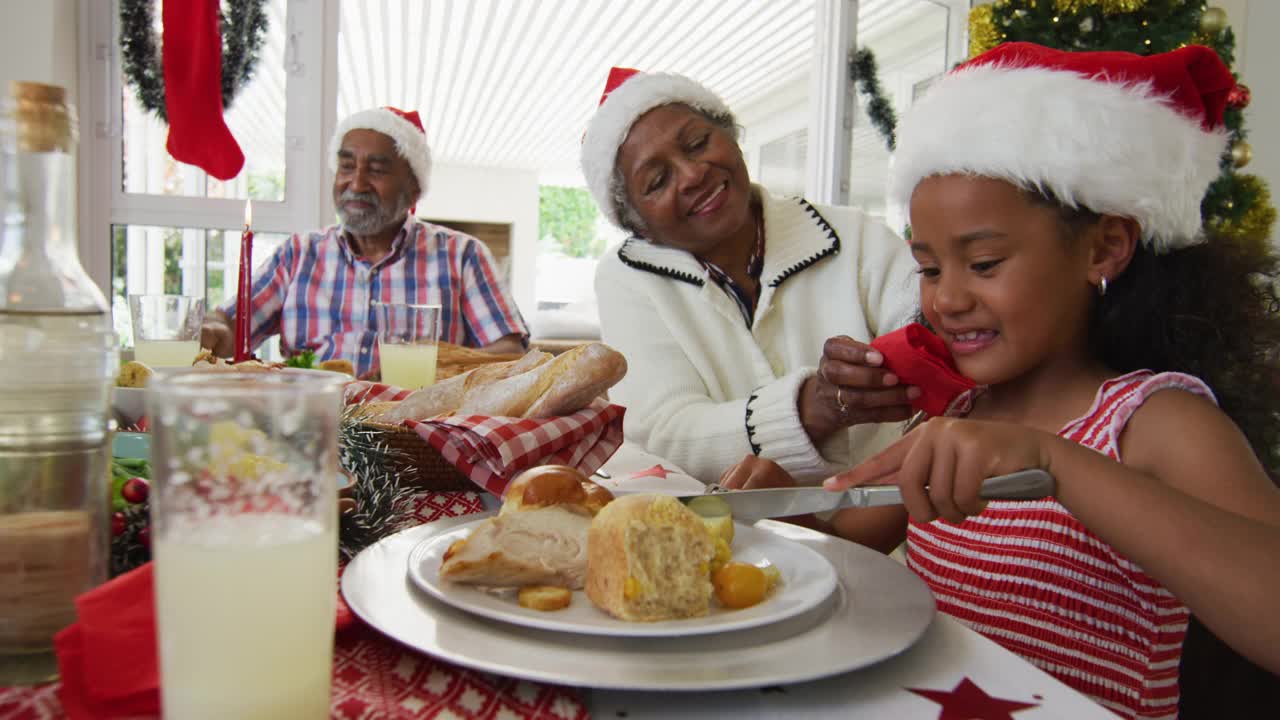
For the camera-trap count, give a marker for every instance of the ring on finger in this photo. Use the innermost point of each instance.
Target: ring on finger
(844, 408)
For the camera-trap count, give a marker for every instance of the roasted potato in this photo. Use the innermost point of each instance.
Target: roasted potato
(544, 597)
(133, 374)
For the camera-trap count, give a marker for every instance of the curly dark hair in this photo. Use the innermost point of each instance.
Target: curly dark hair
(1208, 310)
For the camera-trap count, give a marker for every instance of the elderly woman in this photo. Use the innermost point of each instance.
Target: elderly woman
(742, 316)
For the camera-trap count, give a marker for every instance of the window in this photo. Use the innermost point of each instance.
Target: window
(914, 42)
(154, 225)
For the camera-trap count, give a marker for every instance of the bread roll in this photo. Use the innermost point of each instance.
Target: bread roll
(649, 559)
(539, 536)
(341, 365)
(542, 546)
(564, 385)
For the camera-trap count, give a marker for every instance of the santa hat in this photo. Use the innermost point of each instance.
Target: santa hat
(628, 94)
(1114, 132)
(405, 128)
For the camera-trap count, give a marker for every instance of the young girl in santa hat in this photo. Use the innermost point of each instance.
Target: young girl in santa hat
(1055, 218)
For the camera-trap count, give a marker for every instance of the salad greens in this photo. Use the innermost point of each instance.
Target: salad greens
(122, 470)
(305, 359)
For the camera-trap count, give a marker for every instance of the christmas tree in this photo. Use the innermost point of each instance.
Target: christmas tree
(1237, 205)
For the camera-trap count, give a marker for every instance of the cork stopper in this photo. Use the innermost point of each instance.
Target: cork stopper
(42, 119)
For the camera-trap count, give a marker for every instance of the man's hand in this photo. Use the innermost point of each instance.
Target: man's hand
(851, 388)
(216, 334)
(506, 345)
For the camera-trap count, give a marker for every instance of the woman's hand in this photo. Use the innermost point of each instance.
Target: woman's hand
(851, 388)
(754, 473)
(941, 465)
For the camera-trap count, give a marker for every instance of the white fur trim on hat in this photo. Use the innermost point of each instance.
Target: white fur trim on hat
(411, 142)
(612, 122)
(1114, 149)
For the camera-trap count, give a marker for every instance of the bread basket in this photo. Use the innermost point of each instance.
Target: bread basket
(427, 468)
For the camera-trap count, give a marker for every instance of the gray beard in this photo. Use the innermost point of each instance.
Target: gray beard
(379, 218)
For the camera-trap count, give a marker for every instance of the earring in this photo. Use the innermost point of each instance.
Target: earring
(1102, 286)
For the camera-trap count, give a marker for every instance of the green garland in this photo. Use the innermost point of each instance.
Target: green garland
(244, 25)
(862, 72)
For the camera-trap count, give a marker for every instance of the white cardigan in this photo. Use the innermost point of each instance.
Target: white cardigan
(704, 390)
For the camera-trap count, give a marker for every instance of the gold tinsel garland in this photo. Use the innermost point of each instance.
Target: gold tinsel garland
(1257, 221)
(1109, 7)
(983, 34)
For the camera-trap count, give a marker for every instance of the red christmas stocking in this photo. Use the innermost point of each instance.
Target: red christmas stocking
(192, 58)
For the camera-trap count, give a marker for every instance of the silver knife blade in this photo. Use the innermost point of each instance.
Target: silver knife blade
(752, 505)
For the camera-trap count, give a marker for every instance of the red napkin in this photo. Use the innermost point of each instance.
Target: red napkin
(108, 660)
(920, 358)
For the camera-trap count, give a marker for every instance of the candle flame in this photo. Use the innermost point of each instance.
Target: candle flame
(248, 213)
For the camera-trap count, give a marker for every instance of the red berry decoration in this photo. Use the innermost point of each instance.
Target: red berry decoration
(144, 536)
(117, 524)
(135, 490)
(1239, 96)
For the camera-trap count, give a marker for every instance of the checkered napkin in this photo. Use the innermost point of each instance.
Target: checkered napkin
(493, 450)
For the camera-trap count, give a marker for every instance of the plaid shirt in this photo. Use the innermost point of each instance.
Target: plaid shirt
(319, 295)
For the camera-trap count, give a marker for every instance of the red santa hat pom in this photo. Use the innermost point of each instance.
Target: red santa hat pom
(405, 128)
(1114, 132)
(628, 94)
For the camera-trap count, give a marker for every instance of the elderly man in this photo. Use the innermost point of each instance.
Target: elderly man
(317, 290)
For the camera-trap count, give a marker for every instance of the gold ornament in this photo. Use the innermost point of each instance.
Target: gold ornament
(982, 30)
(1213, 21)
(1241, 154)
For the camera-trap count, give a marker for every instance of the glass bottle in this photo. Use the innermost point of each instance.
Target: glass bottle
(58, 359)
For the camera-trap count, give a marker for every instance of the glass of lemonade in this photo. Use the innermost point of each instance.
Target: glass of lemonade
(166, 329)
(244, 534)
(408, 343)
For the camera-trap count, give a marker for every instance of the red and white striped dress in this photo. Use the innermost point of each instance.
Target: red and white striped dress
(1029, 576)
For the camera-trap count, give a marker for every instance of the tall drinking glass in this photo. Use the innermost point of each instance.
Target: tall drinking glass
(166, 329)
(244, 531)
(408, 343)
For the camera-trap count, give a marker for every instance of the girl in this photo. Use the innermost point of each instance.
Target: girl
(1054, 202)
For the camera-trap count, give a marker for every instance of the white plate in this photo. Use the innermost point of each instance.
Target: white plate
(807, 579)
(878, 609)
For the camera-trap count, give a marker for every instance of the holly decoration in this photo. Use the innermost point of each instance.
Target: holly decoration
(1239, 96)
(131, 533)
(244, 25)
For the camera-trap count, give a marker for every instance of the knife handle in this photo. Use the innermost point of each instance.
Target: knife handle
(1030, 484)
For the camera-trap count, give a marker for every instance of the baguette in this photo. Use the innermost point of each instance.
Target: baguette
(564, 385)
(444, 397)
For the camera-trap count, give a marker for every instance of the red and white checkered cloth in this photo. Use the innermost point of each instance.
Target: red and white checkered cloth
(493, 450)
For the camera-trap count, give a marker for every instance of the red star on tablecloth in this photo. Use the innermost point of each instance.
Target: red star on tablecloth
(967, 701)
(656, 471)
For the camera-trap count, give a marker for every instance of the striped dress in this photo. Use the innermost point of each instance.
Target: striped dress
(1029, 576)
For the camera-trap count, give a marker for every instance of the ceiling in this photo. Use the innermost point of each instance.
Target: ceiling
(512, 83)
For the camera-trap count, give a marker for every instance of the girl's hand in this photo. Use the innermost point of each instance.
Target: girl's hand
(852, 388)
(941, 465)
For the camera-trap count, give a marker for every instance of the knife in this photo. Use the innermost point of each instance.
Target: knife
(752, 505)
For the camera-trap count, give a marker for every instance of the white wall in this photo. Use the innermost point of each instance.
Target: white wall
(1256, 62)
(493, 195)
(38, 43)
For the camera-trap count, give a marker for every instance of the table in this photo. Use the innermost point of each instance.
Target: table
(951, 672)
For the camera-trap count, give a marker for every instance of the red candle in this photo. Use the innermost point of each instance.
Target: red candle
(243, 301)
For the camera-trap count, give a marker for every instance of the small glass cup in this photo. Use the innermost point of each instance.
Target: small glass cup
(166, 329)
(244, 534)
(408, 343)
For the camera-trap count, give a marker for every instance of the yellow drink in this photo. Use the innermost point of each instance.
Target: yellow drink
(166, 353)
(245, 611)
(410, 366)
